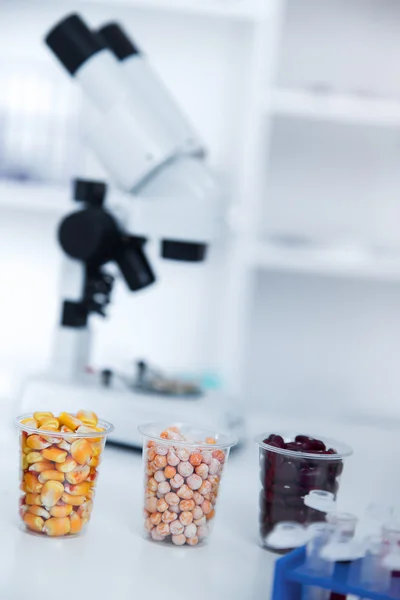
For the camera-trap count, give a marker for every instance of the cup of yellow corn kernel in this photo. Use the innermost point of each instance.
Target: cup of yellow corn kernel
(59, 461)
(183, 467)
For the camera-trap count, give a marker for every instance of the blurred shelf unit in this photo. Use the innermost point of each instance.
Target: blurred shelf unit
(318, 105)
(35, 197)
(240, 10)
(340, 260)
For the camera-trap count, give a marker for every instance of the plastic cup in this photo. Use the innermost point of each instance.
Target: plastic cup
(58, 476)
(289, 470)
(183, 468)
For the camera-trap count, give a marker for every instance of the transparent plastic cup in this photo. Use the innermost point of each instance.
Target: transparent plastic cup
(58, 477)
(183, 468)
(289, 470)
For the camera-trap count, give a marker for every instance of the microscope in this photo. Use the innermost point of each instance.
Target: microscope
(162, 189)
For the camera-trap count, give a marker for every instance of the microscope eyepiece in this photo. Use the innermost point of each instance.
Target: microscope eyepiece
(117, 41)
(73, 42)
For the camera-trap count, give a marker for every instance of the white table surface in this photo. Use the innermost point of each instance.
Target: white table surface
(112, 560)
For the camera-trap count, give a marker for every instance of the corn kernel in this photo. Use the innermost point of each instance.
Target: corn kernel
(67, 466)
(23, 509)
(26, 449)
(41, 466)
(85, 510)
(90, 495)
(49, 424)
(97, 447)
(63, 510)
(40, 416)
(78, 475)
(94, 461)
(52, 492)
(57, 526)
(87, 417)
(51, 475)
(52, 439)
(81, 451)
(65, 429)
(55, 454)
(33, 499)
(33, 522)
(39, 511)
(80, 489)
(30, 422)
(92, 476)
(37, 442)
(64, 445)
(24, 462)
(76, 523)
(73, 500)
(69, 421)
(85, 429)
(34, 457)
(32, 484)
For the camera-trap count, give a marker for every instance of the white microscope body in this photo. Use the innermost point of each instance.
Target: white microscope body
(164, 190)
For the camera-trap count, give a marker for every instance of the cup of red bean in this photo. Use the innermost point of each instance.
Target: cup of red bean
(291, 465)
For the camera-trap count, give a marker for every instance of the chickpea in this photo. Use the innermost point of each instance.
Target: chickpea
(169, 516)
(155, 536)
(190, 530)
(152, 484)
(163, 529)
(185, 492)
(195, 459)
(177, 481)
(178, 540)
(172, 498)
(202, 471)
(183, 455)
(186, 518)
(198, 498)
(192, 541)
(164, 487)
(162, 506)
(169, 472)
(185, 469)
(160, 461)
(176, 527)
(194, 482)
(161, 449)
(197, 512)
(205, 487)
(159, 476)
(172, 459)
(207, 457)
(186, 505)
(155, 518)
(214, 467)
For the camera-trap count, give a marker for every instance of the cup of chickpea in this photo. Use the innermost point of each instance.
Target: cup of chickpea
(59, 461)
(183, 467)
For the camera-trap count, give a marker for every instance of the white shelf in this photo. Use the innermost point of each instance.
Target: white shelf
(338, 261)
(35, 197)
(339, 108)
(239, 10)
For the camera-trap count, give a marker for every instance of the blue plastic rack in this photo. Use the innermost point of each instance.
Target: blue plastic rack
(291, 575)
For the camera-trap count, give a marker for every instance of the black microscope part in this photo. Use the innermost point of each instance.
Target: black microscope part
(117, 41)
(183, 251)
(90, 192)
(73, 42)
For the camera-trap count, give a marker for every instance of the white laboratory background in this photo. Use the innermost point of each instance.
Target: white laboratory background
(298, 307)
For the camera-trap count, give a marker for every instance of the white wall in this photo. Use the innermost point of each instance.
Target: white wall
(326, 346)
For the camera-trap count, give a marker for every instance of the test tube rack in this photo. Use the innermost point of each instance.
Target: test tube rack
(292, 575)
